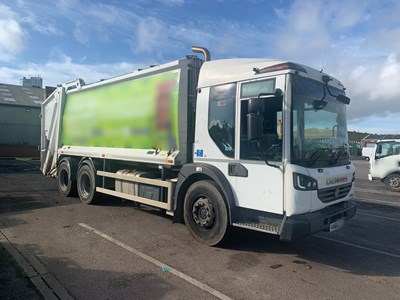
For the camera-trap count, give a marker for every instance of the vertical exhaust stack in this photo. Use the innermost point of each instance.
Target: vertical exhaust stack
(204, 51)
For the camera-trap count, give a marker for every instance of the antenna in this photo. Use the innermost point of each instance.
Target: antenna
(323, 61)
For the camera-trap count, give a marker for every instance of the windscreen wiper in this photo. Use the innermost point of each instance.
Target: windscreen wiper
(340, 151)
(317, 153)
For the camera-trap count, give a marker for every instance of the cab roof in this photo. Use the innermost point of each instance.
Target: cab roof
(222, 71)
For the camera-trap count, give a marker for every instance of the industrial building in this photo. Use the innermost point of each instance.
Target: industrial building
(20, 120)
(33, 81)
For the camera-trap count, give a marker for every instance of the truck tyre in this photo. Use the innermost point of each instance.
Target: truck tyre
(66, 186)
(205, 213)
(393, 182)
(86, 184)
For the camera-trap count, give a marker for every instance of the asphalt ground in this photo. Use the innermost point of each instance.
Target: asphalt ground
(58, 248)
(14, 281)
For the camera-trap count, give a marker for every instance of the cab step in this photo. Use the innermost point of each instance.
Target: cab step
(258, 227)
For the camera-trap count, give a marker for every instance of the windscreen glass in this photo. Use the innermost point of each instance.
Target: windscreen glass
(319, 130)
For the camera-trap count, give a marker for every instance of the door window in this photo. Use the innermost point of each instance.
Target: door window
(270, 145)
(387, 149)
(221, 117)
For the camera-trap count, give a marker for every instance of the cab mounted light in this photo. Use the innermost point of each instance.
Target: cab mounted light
(280, 67)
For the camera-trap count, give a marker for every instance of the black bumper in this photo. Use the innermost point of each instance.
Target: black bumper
(303, 225)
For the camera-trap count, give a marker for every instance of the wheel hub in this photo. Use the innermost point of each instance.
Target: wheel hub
(85, 187)
(395, 182)
(203, 213)
(64, 179)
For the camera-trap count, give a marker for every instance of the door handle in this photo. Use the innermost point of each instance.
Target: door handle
(238, 170)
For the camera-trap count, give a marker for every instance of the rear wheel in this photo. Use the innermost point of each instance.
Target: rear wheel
(66, 186)
(393, 182)
(86, 184)
(205, 213)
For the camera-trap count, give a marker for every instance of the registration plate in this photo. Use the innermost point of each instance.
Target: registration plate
(336, 225)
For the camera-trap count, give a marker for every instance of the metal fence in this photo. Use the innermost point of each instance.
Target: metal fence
(19, 125)
(355, 148)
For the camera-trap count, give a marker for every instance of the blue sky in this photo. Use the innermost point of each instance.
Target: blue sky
(356, 41)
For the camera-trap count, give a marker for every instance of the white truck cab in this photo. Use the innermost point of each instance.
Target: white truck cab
(385, 164)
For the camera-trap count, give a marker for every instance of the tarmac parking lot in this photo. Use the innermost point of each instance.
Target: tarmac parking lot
(58, 248)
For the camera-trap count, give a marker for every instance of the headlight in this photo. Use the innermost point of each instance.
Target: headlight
(303, 182)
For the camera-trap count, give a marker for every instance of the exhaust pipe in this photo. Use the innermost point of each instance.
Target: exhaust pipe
(204, 51)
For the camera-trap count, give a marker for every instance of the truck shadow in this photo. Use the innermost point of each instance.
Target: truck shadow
(18, 203)
(15, 166)
(356, 249)
(23, 188)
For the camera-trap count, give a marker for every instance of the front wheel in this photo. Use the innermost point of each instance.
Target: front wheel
(205, 213)
(393, 182)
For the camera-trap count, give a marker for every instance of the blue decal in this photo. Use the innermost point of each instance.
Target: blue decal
(199, 153)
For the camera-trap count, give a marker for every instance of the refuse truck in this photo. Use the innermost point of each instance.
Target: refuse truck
(385, 164)
(259, 144)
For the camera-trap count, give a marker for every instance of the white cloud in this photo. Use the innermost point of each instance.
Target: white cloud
(303, 32)
(372, 83)
(150, 35)
(12, 36)
(387, 88)
(80, 35)
(107, 14)
(346, 14)
(96, 20)
(385, 39)
(362, 49)
(61, 68)
(41, 26)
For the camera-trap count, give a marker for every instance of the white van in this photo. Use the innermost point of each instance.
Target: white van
(368, 151)
(385, 164)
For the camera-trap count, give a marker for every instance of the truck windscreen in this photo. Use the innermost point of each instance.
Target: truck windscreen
(319, 130)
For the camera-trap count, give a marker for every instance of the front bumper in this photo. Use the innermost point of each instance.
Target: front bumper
(303, 225)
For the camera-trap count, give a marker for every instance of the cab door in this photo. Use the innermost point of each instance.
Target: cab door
(258, 168)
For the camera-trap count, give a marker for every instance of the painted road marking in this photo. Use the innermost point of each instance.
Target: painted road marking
(154, 261)
(359, 247)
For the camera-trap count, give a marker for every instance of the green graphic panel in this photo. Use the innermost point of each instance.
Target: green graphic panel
(139, 114)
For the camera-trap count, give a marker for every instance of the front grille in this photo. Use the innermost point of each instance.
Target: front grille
(334, 193)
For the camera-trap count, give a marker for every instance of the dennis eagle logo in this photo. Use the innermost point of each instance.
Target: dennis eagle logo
(335, 180)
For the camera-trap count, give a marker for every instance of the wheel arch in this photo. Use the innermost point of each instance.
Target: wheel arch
(392, 173)
(90, 162)
(395, 172)
(195, 172)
